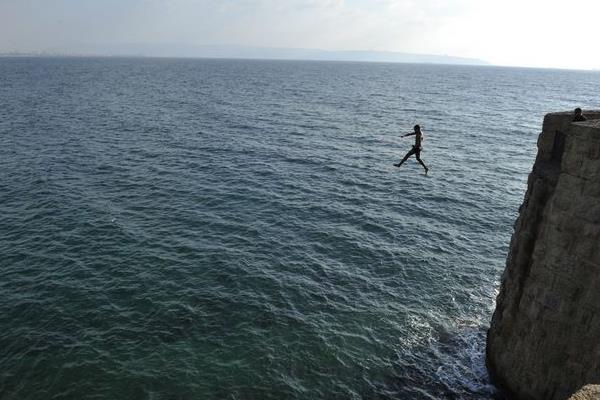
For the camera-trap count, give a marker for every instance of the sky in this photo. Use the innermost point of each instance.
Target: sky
(534, 33)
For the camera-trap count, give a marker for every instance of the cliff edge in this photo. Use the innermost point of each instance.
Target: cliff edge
(590, 392)
(544, 338)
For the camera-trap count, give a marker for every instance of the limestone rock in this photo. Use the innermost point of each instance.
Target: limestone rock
(544, 338)
(590, 392)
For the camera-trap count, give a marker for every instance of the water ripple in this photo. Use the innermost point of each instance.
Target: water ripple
(186, 229)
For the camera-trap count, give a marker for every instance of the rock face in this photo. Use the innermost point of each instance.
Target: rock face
(544, 338)
(590, 392)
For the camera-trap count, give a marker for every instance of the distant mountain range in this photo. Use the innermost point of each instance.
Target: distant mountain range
(246, 52)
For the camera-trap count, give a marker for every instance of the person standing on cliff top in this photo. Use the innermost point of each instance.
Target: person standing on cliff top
(416, 149)
(578, 115)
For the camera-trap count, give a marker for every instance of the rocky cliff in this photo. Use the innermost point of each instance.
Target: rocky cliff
(590, 392)
(544, 338)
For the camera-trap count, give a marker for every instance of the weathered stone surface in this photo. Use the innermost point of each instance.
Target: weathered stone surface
(544, 338)
(590, 392)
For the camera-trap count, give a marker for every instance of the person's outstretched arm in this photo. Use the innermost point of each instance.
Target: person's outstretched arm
(409, 134)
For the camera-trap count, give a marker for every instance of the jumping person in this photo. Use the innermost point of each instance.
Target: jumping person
(416, 149)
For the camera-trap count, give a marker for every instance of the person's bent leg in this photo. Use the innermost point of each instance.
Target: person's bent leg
(418, 157)
(410, 153)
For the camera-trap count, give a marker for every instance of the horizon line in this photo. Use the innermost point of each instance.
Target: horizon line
(58, 54)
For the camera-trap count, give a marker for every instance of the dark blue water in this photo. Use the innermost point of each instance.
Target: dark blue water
(211, 229)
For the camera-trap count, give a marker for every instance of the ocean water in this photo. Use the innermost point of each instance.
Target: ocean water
(227, 229)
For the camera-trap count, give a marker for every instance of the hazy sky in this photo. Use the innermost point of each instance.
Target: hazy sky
(546, 33)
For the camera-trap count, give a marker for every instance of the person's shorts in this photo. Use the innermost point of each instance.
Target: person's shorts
(416, 151)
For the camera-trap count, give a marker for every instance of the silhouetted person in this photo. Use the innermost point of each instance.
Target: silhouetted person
(416, 149)
(578, 115)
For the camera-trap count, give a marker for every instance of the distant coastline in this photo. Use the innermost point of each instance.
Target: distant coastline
(245, 52)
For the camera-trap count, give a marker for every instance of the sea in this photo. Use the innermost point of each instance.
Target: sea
(235, 229)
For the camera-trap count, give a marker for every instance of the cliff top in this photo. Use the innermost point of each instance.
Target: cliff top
(594, 123)
(586, 113)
